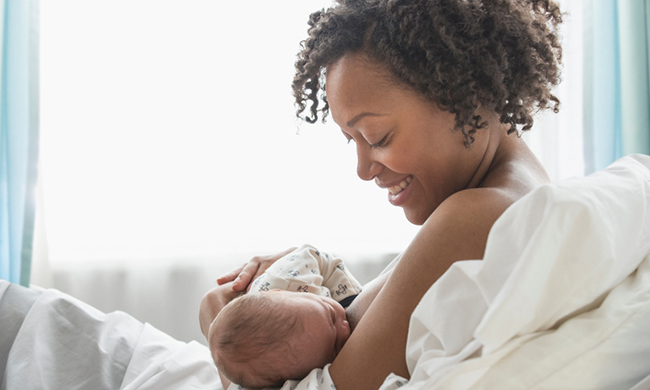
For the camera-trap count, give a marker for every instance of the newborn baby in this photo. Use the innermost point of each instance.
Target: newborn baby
(288, 324)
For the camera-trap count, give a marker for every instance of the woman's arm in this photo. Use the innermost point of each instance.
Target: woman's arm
(457, 230)
(211, 304)
(244, 275)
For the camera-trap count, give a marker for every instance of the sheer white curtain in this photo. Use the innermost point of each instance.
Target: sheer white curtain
(169, 131)
(170, 153)
(556, 139)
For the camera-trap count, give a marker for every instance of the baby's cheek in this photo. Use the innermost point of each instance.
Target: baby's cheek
(345, 330)
(342, 335)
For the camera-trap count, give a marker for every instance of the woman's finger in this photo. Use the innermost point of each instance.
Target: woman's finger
(265, 262)
(259, 273)
(230, 276)
(245, 277)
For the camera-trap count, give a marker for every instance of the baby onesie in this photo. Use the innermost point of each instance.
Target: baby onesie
(308, 270)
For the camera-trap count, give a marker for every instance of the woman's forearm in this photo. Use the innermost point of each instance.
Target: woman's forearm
(212, 303)
(378, 345)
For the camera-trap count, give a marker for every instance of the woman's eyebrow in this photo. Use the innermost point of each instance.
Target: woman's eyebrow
(356, 119)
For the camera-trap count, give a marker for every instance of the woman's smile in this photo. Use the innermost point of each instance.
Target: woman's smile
(396, 189)
(397, 193)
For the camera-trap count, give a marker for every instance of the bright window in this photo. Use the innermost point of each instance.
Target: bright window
(168, 131)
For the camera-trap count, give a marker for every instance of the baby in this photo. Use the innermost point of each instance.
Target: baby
(276, 332)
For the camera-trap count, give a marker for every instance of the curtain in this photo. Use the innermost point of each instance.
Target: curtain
(557, 139)
(18, 136)
(616, 111)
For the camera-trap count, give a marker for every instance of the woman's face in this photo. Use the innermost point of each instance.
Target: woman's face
(404, 143)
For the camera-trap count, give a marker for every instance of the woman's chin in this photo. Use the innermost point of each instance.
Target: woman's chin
(415, 217)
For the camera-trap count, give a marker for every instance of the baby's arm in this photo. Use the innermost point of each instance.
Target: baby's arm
(244, 275)
(308, 270)
(336, 276)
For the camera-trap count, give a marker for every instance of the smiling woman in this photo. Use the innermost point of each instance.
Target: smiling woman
(418, 178)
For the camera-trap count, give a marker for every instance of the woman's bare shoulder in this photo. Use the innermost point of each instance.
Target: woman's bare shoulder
(472, 204)
(515, 175)
(463, 221)
(459, 227)
(507, 181)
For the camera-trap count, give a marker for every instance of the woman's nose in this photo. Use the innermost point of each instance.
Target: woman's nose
(367, 166)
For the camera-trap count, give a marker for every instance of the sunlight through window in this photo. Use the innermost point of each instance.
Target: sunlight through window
(168, 131)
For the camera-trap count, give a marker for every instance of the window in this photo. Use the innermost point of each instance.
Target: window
(168, 131)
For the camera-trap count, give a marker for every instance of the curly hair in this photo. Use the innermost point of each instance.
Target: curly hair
(503, 55)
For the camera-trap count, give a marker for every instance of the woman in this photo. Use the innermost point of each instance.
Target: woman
(434, 94)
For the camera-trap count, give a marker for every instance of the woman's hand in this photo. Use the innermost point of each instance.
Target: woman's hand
(212, 303)
(243, 276)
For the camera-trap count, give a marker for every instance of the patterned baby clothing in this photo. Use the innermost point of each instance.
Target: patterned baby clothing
(308, 270)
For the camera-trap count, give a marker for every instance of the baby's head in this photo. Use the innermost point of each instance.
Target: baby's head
(262, 339)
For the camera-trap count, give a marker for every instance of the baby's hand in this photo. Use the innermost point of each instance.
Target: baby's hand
(243, 276)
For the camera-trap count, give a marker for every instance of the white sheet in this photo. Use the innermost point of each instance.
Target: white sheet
(160, 362)
(67, 344)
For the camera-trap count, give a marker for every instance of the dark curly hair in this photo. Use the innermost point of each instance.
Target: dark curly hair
(504, 55)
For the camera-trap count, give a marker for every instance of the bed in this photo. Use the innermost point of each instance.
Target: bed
(50, 340)
(561, 300)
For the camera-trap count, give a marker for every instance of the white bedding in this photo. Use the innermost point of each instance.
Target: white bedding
(556, 302)
(560, 301)
(64, 343)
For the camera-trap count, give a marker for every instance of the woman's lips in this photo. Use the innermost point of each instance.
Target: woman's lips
(396, 189)
(398, 194)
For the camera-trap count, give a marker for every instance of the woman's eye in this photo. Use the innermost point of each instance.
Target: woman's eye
(380, 143)
(347, 136)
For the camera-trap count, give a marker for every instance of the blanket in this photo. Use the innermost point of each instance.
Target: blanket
(55, 341)
(561, 299)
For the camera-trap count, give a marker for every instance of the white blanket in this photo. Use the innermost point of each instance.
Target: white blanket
(64, 343)
(561, 299)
